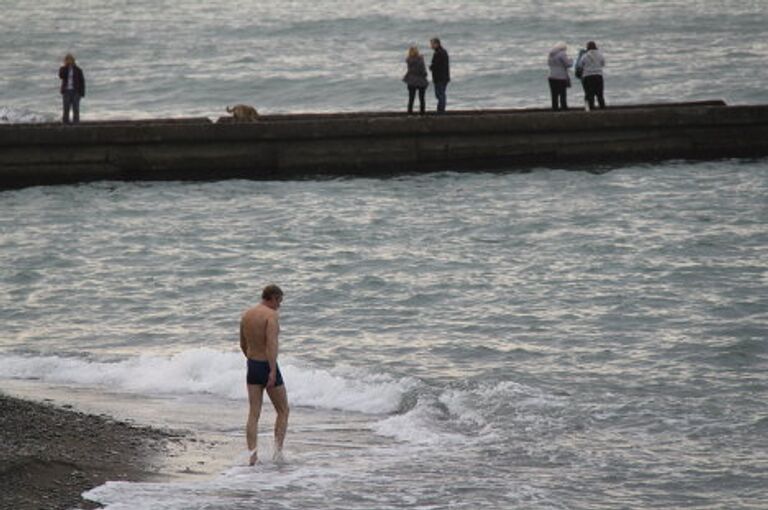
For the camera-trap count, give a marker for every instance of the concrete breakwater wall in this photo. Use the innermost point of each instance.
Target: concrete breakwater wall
(291, 146)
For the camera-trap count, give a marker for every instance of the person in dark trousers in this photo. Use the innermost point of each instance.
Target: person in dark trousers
(559, 80)
(416, 78)
(592, 76)
(441, 73)
(72, 88)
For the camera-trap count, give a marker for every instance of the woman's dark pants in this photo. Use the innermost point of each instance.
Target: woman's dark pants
(412, 96)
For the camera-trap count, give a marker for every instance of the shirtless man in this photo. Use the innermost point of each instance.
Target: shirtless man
(259, 328)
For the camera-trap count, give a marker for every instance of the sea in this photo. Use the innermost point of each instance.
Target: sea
(538, 339)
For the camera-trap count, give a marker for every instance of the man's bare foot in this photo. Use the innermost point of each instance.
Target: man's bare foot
(254, 458)
(278, 457)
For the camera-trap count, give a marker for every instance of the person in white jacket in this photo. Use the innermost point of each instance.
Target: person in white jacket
(592, 64)
(559, 80)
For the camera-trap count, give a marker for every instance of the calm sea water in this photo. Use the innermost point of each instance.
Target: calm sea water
(544, 340)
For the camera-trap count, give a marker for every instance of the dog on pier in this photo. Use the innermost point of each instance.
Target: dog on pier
(243, 113)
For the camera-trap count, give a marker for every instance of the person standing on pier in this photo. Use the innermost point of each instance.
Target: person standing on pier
(559, 80)
(592, 76)
(441, 73)
(72, 88)
(416, 78)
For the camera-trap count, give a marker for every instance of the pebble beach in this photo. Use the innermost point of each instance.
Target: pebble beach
(51, 455)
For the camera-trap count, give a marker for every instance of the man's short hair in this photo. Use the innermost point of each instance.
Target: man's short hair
(436, 40)
(271, 291)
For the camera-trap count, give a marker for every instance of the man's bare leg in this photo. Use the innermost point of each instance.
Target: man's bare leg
(279, 398)
(255, 397)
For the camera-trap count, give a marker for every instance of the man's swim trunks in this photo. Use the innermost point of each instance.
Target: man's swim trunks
(258, 373)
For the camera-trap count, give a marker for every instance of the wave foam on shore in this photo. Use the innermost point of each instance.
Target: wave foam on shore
(207, 371)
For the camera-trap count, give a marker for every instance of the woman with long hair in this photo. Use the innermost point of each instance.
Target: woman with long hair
(416, 78)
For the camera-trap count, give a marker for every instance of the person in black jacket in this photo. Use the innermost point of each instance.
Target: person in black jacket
(441, 73)
(72, 88)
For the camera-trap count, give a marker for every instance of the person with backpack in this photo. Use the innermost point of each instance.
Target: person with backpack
(578, 69)
(589, 68)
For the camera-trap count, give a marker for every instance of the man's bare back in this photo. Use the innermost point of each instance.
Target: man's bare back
(255, 324)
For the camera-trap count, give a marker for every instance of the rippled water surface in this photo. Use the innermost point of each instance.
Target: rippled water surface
(542, 340)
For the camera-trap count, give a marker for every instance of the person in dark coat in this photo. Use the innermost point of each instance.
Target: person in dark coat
(441, 73)
(416, 78)
(72, 88)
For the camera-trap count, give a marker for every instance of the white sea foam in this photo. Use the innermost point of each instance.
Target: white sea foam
(474, 406)
(454, 416)
(420, 425)
(468, 415)
(216, 492)
(9, 115)
(349, 389)
(207, 371)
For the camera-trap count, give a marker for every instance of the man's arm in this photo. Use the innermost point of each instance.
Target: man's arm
(272, 330)
(243, 342)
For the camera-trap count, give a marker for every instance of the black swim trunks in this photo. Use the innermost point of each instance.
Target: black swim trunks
(258, 373)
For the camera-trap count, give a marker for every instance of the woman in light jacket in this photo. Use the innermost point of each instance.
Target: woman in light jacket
(592, 75)
(416, 78)
(559, 80)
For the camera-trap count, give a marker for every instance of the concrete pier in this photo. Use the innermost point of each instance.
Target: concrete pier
(306, 145)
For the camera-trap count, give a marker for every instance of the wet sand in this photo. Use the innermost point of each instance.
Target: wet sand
(50, 455)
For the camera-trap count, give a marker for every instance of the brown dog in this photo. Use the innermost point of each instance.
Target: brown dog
(243, 113)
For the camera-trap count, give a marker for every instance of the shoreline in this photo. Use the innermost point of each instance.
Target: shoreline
(51, 454)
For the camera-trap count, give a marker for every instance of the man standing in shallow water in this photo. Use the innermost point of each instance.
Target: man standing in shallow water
(259, 329)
